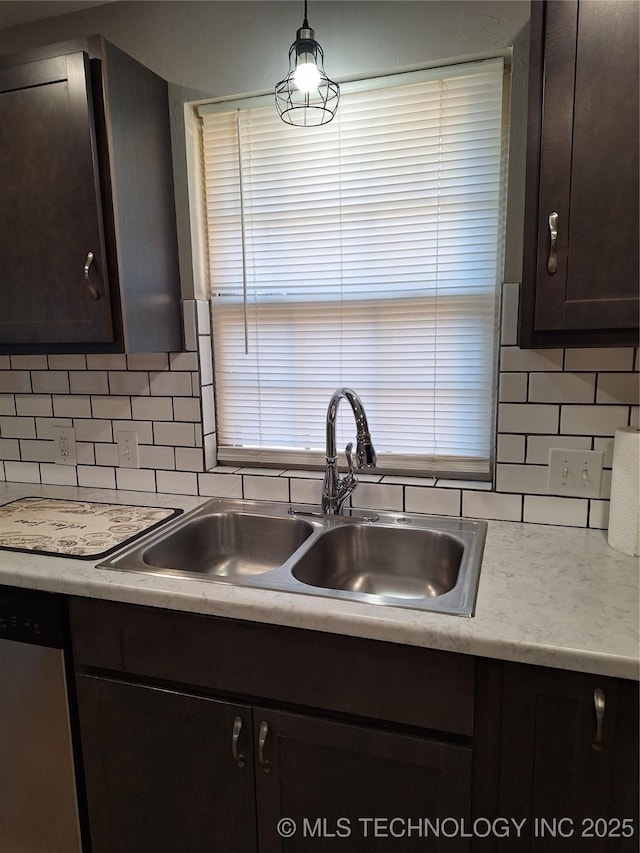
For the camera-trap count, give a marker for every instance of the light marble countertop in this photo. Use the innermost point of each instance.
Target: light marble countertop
(552, 596)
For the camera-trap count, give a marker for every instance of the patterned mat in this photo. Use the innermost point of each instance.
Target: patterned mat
(82, 529)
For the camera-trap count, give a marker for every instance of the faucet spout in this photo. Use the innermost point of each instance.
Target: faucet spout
(335, 490)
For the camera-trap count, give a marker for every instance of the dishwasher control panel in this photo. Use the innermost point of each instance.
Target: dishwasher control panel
(28, 616)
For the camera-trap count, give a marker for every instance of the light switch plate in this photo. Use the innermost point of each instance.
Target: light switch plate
(128, 452)
(575, 473)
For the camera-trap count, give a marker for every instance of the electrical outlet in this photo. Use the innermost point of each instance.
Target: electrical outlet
(128, 453)
(575, 472)
(64, 443)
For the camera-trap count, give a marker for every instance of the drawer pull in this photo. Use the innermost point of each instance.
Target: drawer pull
(552, 263)
(598, 701)
(87, 265)
(262, 739)
(238, 756)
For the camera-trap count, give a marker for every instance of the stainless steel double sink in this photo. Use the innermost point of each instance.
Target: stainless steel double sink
(393, 559)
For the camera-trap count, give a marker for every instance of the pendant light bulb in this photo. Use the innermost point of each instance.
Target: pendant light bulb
(306, 76)
(306, 97)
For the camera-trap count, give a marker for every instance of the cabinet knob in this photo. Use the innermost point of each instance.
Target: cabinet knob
(262, 739)
(599, 702)
(87, 265)
(238, 756)
(552, 263)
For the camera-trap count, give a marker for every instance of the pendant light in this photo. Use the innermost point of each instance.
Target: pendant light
(306, 97)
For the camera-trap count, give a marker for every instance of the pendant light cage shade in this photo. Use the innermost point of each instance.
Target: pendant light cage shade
(319, 104)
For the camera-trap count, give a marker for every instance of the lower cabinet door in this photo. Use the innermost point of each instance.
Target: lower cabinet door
(326, 786)
(165, 771)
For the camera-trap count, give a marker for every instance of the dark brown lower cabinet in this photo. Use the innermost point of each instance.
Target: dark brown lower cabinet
(160, 771)
(569, 760)
(323, 786)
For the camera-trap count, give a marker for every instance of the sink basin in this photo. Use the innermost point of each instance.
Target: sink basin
(394, 559)
(398, 562)
(227, 544)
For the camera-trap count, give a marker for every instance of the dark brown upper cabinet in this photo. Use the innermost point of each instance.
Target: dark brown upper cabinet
(580, 274)
(88, 247)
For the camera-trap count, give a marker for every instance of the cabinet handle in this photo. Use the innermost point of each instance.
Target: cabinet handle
(552, 263)
(238, 756)
(262, 739)
(598, 701)
(87, 264)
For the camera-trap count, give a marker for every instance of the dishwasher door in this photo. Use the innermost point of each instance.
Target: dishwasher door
(38, 803)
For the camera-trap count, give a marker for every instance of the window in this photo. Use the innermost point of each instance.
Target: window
(364, 253)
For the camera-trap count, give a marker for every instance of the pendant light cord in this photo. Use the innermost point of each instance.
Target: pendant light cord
(305, 22)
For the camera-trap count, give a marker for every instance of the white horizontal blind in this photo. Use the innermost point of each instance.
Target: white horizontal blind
(371, 258)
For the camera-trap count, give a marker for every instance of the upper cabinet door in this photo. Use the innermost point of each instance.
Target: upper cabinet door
(53, 274)
(580, 277)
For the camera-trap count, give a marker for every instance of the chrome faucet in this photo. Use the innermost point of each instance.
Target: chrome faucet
(335, 490)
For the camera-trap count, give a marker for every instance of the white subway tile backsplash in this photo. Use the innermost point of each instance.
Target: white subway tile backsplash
(562, 387)
(605, 358)
(203, 317)
(107, 362)
(106, 454)
(72, 407)
(143, 429)
(148, 361)
(210, 451)
(527, 418)
(85, 454)
(176, 434)
(634, 417)
(9, 448)
(260, 488)
(186, 409)
(220, 485)
(513, 387)
(111, 407)
(606, 446)
(88, 382)
(567, 512)
(177, 482)
(509, 314)
(7, 404)
(5, 362)
(46, 426)
(432, 501)
(93, 430)
(17, 427)
(22, 472)
(134, 382)
(206, 360)
(152, 456)
(605, 484)
(618, 388)
(378, 496)
(2, 476)
(304, 491)
(599, 514)
(67, 362)
(208, 410)
(515, 359)
(492, 505)
(510, 448)
(169, 384)
(529, 479)
(96, 477)
(15, 381)
(593, 420)
(152, 408)
(58, 475)
(36, 450)
(51, 381)
(538, 446)
(262, 472)
(184, 361)
(189, 459)
(34, 404)
(136, 479)
(29, 362)
(189, 322)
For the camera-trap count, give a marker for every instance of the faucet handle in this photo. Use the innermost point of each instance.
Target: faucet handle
(348, 451)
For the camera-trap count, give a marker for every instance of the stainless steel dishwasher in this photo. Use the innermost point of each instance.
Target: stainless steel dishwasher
(38, 802)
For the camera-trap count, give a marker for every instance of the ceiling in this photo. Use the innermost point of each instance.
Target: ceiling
(14, 12)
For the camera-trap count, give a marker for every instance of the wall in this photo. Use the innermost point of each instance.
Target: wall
(572, 398)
